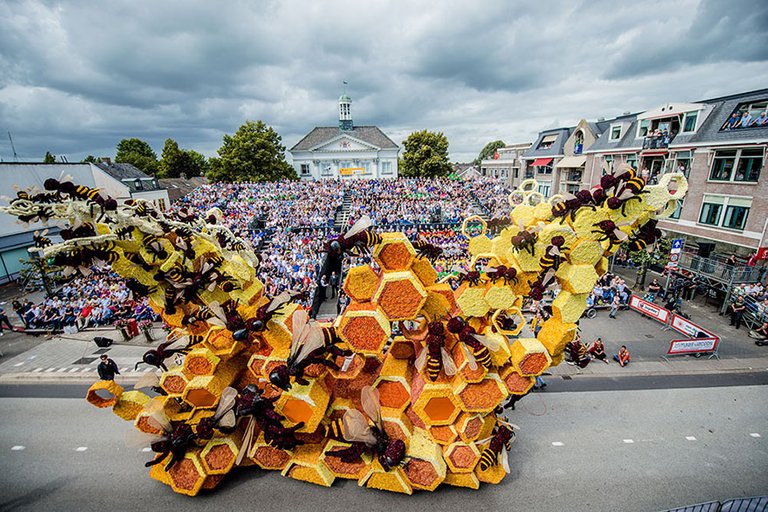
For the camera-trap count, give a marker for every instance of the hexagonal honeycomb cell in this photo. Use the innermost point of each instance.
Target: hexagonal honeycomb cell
(470, 299)
(269, 457)
(500, 297)
(218, 455)
(187, 475)
(586, 252)
(174, 381)
(400, 295)
(200, 361)
(424, 270)
(361, 283)
(443, 434)
(434, 403)
(569, 307)
(529, 356)
(515, 383)
(468, 426)
(305, 404)
(104, 393)
(461, 457)
(577, 279)
(365, 328)
(556, 334)
(130, 404)
(340, 469)
(483, 396)
(460, 354)
(395, 252)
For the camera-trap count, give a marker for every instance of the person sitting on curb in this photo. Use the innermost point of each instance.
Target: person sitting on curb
(760, 335)
(578, 353)
(597, 350)
(622, 357)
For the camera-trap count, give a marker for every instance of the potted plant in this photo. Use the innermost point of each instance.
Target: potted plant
(146, 328)
(122, 326)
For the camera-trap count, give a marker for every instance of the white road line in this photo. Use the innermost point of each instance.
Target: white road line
(81, 448)
(73, 370)
(37, 370)
(61, 370)
(49, 370)
(557, 443)
(754, 434)
(31, 357)
(17, 448)
(629, 441)
(690, 438)
(18, 364)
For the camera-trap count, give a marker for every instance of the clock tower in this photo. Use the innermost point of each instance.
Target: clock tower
(345, 113)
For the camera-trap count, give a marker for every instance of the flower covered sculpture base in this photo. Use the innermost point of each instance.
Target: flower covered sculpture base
(401, 392)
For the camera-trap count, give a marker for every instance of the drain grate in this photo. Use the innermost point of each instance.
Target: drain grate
(102, 351)
(567, 377)
(650, 336)
(85, 360)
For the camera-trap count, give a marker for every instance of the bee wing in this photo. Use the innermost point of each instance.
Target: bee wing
(449, 367)
(312, 338)
(228, 420)
(419, 363)
(361, 225)
(470, 357)
(226, 402)
(279, 301)
(147, 380)
(619, 234)
(247, 439)
(158, 419)
(491, 343)
(221, 317)
(369, 396)
(138, 439)
(625, 194)
(505, 460)
(554, 251)
(356, 428)
(299, 322)
(483, 441)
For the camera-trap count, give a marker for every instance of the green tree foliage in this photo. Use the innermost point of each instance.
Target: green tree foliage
(49, 158)
(425, 155)
(176, 162)
(254, 153)
(90, 159)
(488, 151)
(644, 259)
(137, 153)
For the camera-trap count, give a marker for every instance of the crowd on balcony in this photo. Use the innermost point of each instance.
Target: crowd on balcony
(745, 119)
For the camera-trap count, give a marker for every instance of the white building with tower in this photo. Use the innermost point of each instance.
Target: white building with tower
(346, 151)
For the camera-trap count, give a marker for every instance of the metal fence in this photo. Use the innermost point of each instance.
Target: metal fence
(734, 274)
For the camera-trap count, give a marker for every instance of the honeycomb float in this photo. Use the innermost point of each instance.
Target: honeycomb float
(422, 366)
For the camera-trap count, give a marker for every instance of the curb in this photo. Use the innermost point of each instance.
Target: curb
(38, 378)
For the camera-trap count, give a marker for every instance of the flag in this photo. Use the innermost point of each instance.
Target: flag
(496, 155)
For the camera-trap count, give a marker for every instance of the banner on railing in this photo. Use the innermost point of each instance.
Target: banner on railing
(699, 345)
(685, 326)
(649, 309)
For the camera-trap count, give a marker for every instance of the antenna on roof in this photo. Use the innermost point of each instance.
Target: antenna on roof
(15, 156)
(63, 158)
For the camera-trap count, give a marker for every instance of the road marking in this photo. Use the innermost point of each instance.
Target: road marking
(81, 448)
(146, 449)
(31, 357)
(629, 441)
(61, 370)
(557, 443)
(37, 370)
(690, 438)
(18, 364)
(754, 434)
(73, 370)
(17, 448)
(49, 370)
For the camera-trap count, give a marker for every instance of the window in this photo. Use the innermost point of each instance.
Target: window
(678, 209)
(615, 132)
(642, 128)
(722, 166)
(746, 162)
(682, 163)
(710, 213)
(735, 217)
(517, 172)
(736, 211)
(608, 167)
(749, 164)
(747, 115)
(386, 167)
(573, 188)
(305, 169)
(689, 124)
(632, 160)
(327, 170)
(544, 169)
(544, 189)
(578, 143)
(547, 141)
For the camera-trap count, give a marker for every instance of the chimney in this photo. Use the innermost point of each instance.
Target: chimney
(105, 159)
(600, 119)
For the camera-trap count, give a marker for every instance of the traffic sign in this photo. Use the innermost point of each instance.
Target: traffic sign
(677, 245)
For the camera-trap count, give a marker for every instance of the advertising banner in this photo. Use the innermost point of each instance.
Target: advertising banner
(649, 309)
(689, 328)
(692, 346)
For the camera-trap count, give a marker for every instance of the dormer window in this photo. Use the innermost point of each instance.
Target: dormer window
(642, 128)
(615, 132)
(138, 184)
(547, 141)
(689, 123)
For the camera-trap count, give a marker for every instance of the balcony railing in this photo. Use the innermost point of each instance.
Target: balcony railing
(657, 141)
(573, 176)
(720, 271)
(528, 174)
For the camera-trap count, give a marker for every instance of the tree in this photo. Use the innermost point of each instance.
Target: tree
(176, 162)
(425, 155)
(643, 259)
(137, 153)
(90, 159)
(254, 153)
(488, 151)
(49, 158)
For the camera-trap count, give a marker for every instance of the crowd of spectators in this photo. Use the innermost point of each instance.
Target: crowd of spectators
(94, 301)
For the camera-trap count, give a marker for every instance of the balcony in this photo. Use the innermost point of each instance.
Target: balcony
(573, 176)
(528, 174)
(657, 141)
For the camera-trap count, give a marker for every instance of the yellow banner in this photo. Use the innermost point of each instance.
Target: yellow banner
(348, 171)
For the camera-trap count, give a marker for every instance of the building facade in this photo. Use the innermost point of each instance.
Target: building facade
(346, 151)
(541, 157)
(121, 181)
(506, 164)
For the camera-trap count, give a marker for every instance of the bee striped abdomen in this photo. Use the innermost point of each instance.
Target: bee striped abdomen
(433, 367)
(335, 430)
(482, 356)
(488, 459)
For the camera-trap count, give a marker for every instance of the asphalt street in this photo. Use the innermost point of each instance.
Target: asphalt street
(639, 450)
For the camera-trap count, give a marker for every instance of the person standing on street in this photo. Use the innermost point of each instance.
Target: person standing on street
(334, 284)
(107, 368)
(4, 321)
(615, 306)
(737, 311)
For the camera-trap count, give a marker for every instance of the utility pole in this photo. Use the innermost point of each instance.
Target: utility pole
(15, 156)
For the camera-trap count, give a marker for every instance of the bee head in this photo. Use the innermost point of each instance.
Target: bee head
(280, 378)
(336, 246)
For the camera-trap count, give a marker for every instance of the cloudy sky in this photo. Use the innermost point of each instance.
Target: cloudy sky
(76, 77)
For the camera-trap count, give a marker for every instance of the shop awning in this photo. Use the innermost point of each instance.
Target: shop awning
(572, 162)
(654, 153)
(541, 162)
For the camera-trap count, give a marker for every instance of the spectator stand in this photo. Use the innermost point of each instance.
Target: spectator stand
(718, 277)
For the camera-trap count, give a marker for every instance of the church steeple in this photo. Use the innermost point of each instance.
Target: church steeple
(345, 112)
